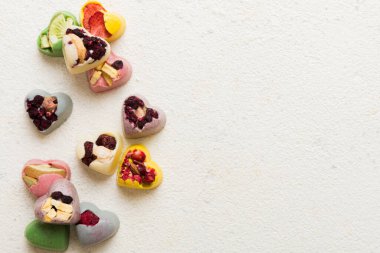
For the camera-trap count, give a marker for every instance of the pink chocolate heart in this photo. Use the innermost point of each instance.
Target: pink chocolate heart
(46, 180)
(124, 72)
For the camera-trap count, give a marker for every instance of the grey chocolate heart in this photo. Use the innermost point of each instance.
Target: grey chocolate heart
(63, 109)
(106, 227)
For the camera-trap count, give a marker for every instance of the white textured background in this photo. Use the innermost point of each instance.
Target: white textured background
(272, 140)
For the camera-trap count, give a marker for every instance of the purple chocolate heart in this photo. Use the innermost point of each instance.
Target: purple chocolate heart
(60, 205)
(140, 119)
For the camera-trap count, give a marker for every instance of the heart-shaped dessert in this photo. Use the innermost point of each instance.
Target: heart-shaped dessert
(138, 171)
(83, 51)
(48, 236)
(48, 111)
(95, 225)
(103, 155)
(139, 119)
(99, 22)
(49, 41)
(39, 175)
(60, 205)
(115, 72)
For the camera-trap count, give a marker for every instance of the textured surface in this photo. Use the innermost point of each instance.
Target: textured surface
(272, 140)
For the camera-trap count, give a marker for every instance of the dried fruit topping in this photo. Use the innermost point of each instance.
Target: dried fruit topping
(66, 199)
(106, 141)
(134, 168)
(78, 32)
(42, 111)
(137, 113)
(89, 157)
(117, 64)
(138, 155)
(95, 47)
(50, 104)
(88, 218)
(56, 195)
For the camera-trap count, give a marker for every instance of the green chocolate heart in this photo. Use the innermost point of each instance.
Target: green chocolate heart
(48, 236)
(55, 48)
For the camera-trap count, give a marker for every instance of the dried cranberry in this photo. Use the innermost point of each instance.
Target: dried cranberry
(45, 124)
(141, 123)
(56, 195)
(142, 169)
(88, 218)
(66, 199)
(52, 117)
(37, 101)
(89, 157)
(134, 102)
(96, 48)
(149, 178)
(37, 123)
(33, 112)
(78, 32)
(106, 141)
(117, 64)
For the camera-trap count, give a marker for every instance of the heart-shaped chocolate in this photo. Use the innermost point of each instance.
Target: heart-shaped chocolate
(99, 22)
(95, 225)
(39, 175)
(140, 119)
(83, 51)
(48, 111)
(115, 72)
(60, 205)
(48, 236)
(137, 170)
(103, 154)
(49, 41)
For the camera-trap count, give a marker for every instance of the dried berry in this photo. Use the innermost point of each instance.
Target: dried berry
(66, 199)
(56, 195)
(149, 178)
(88, 218)
(138, 155)
(106, 141)
(78, 32)
(37, 101)
(142, 169)
(117, 65)
(89, 157)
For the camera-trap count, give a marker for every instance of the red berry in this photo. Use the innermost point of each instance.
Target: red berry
(138, 155)
(88, 218)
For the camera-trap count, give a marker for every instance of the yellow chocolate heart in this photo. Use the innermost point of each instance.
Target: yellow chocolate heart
(125, 181)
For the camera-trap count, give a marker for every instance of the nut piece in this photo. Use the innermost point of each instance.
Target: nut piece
(34, 171)
(81, 50)
(108, 79)
(95, 77)
(109, 70)
(55, 209)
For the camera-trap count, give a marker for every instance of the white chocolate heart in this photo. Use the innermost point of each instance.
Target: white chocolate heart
(83, 51)
(101, 158)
